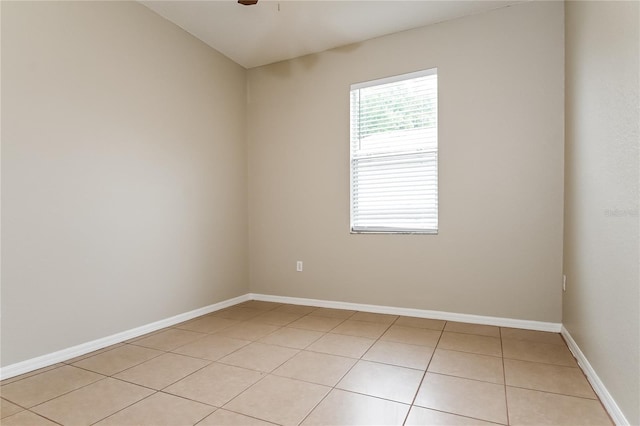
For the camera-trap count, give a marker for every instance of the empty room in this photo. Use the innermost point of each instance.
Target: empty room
(320, 212)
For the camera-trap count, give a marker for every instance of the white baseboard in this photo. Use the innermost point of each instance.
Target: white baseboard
(421, 313)
(84, 348)
(602, 392)
(22, 367)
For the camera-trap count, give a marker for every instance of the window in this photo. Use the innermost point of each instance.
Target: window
(394, 154)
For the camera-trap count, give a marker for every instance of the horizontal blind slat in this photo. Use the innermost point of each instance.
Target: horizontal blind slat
(394, 162)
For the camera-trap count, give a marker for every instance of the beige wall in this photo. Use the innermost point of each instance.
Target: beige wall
(123, 174)
(499, 250)
(601, 305)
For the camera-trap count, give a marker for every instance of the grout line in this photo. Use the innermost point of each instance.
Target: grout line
(30, 374)
(210, 362)
(66, 393)
(124, 408)
(120, 371)
(462, 415)
(504, 378)
(408, 404)
(23, 408)
(545, 363)
(350, 368)
(469, 353)
(187, 398)
(555, 393)
(466, 378)
(240, 414)
(94, 353)
(264, 375)
(40, 415)
(415, 396)
(393, 365)
(317, 404)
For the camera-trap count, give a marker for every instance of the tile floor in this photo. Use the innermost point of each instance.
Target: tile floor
(261, 363)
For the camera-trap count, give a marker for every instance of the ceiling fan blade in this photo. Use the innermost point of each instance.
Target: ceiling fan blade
(247, 2)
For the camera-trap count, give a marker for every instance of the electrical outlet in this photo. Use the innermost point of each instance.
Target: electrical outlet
(299, 266)
(564, 283)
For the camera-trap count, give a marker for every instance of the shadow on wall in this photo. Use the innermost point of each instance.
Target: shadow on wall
(284, 69)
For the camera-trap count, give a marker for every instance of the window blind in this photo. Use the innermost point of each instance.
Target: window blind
(394, 154)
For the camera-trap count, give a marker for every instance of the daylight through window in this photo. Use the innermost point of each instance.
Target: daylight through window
(394, 154)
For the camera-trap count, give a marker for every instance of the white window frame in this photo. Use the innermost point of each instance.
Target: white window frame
(394, 229)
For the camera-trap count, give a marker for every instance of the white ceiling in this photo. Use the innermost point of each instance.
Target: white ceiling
(273, 31)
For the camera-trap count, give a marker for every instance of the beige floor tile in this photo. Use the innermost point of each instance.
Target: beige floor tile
(532, 336)
(249, 331)
(333, 313)
(411, 335)
(296, 309)
(93, 353)
(419, 416)
(118, 359)
(144, 336)
(371, 330)
(538, 352)
(338, 344)
(296, 338)
(276, 318)
(323, 369)
(168, 339)
(471, 398)
(271, 399)
(479, 329)
(206, 324)
(420, 323)
(8, 408)
(160, 409)
(92, 403)
(45, 386)
(229, 418)
(383, 381)
(315, 323)
(160, 372)
(211, 347)
(401, 354)
(467, 365)
(259, 356)
(548, 378)
(31, 373)
(483, 345)
(529, 407)
(347, 408)
(371, 317)
(259, 304)
(26, 418)
(215, 384)
(238, 313)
